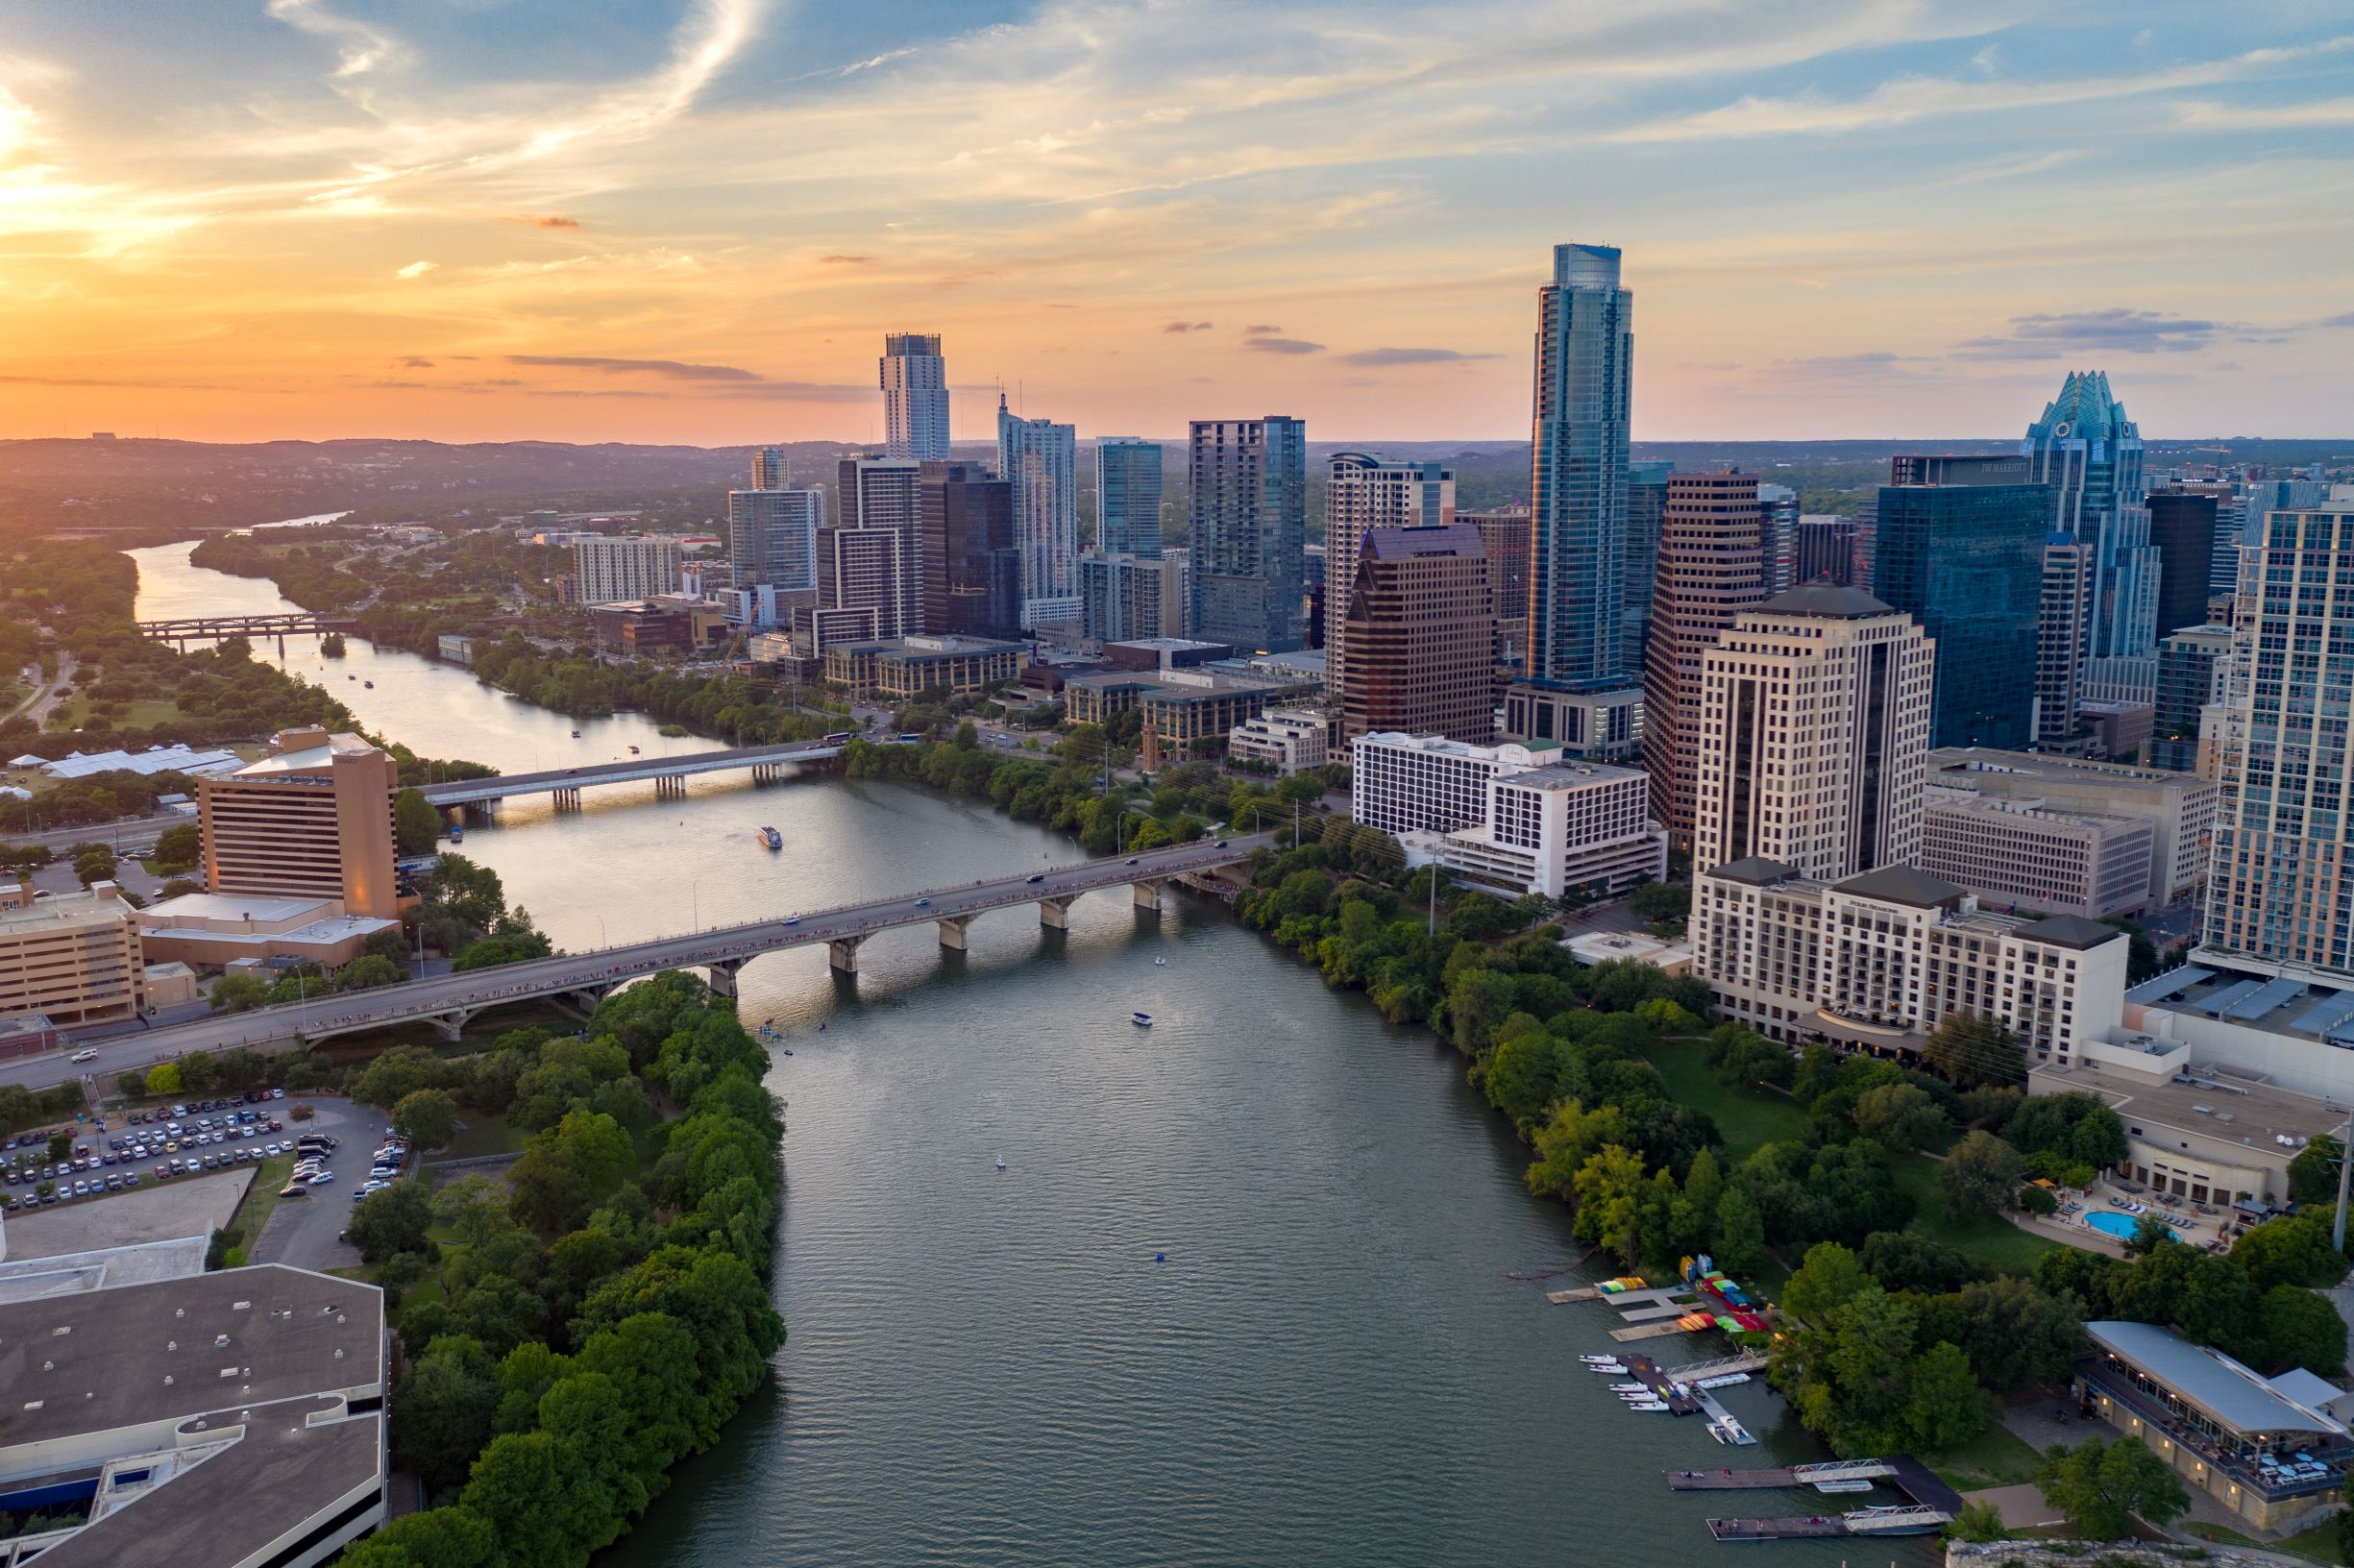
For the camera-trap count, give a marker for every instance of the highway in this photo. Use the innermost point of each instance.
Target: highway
(454, 998)
(630, 771)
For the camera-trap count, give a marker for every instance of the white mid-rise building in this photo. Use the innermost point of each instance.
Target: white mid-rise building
(1288, 739)
(2020, 851)
(1878, 961)
(1514, 819)
(611, 570)
(1814, 735)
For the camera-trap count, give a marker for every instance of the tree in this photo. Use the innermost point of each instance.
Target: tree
(133, 1084)
(2302, 1329)
(416, 826)
(1977, 1522)
(1740, 1231)
(428, 1118)
(2289, 1251)
(1661, 900)
(1980, 1175)
(2313, 1177)
(2149, 1233)
(442, 1410)
(393, 1220)
(61, 1146)
(163, 1078)
(1829, 1277)
(242, 1070)
(368, 971)
(399, 1073)
(198, 1071)
(1973, 1051)
(237, 992)
(180, 846)
(2103, 1488)
(1900, 1115)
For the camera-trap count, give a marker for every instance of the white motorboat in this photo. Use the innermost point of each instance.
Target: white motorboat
(1628, 1388)
(1649, 1405)
(1609, 1369)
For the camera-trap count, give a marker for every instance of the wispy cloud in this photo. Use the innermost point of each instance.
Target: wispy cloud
(1410, 356)
(359, 48)
(669, 369)
(553, 220)
(845, 261)
(1187, 326)
(1281, 344)
(417, 269)
(2115, 331)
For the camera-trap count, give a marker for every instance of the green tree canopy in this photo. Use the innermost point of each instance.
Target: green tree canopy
(428, 1118)
(2103, 1487)
(1981, 1174)
(392, 1220)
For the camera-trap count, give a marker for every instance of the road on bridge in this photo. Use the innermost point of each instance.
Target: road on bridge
(274, 1028)
(467, 790)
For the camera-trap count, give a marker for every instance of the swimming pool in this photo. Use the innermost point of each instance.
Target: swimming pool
(2113, 1223)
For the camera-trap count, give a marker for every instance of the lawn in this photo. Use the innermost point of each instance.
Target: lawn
(1996, 1456)
(479, 1137)
(261, 1198)
(1989, 1240)
(2320, 1543)
(1748, 1118)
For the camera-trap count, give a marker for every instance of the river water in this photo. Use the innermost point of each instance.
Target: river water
(1240, 1294)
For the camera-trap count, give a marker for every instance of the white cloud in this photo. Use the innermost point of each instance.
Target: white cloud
(418, 269)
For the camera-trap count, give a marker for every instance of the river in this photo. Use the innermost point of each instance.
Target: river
(999, 1367)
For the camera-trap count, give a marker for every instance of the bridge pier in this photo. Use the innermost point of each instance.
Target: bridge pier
(842, 952)
(1148, 892)
(667, 787)
(952, 931)
(1055, 913)
(586, 999)
(723, 974)
(452, 1025)
(566, 797)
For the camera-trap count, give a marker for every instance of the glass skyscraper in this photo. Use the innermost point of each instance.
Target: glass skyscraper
(1578, 478)
(1646, 506)
(2090, 454)
(1247, 504)
(1040, 459)
(2280, 887)
(1128, 496)
(1967, 561)
(2187, 684)
(915, 381)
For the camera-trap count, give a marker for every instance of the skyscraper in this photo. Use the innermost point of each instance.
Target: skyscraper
(609, 569)
(1119, 596)
(1128, 496)
(1577, 474)
(1816, 705)
(1782, 535)
(873, 557)
(972, 573)
(1646, 504)
(772, 538)
(914, 380)
(2059, 637)
(1248, 509)
(1503, 535)
(1711, 566)
(1418, 635)
(770, 470)
(1040, 459)
(2182, 524)
(2280, 892)
(2090, 454)
(2192, 664)
(1362, 493)
(1967, 561)
(1825, 550)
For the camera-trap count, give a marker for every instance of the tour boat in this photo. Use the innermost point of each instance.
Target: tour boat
(1724, 1380)
(1591, 1360)
(457, 833)
(1649, 1405)
(772, 838)
(1613, 1369)
(1854, 1483)
(1142, 1020)
(1001, 1162)
(576, 734)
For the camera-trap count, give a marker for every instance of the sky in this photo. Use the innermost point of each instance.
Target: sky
(693, 220)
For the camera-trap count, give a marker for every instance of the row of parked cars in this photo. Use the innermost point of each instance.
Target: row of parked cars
(311, 1170)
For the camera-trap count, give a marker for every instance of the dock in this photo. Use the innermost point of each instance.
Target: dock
(1893, 1520)
(1655, 1331)
(1929, 1503)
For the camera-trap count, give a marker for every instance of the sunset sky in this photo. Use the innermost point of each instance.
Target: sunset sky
(694, 220)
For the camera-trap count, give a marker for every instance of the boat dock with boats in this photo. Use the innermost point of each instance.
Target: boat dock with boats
(1928, 1504)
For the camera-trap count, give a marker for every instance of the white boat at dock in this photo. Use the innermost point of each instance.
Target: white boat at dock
(1649, 1405)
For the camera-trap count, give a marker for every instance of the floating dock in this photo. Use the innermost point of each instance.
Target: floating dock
(1906, 1519)
(1929, 1503)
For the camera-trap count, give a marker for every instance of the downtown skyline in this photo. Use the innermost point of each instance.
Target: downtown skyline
(695, 220)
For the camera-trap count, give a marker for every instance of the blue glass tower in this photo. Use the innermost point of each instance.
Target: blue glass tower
(2090, 454)
(1967, 561)
(1578, 478)
(1128, 496)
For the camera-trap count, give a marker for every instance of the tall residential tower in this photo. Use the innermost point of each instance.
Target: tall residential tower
(1128, 496)
(914, 380)
(1247, 502)
(1040, 459)
(1578, 474)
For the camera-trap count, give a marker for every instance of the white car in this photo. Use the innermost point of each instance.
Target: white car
(320, 1178)
(87, 1054)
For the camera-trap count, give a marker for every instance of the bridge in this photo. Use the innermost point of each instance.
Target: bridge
(451, 1001)
(669, 773)
(200, 628)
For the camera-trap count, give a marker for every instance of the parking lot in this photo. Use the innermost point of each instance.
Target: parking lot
(303, 1231)
(153, 1213)
(149, 1148)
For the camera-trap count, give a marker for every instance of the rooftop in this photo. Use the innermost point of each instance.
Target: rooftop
(257, 907)
(2232, 1107)
(155, 759)
(1754, 870)
(306, 759)
(1439, 539)
(100, 904)
(1571, 775)
(1824, 599)
(2071, 931)
(1970, 762)
(1902, 885)
(2233, 1395)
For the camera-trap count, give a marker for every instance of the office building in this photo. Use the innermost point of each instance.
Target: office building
(2024, 854)
(73, 958)
(608, 567)
(1183, 703)
(312, 819)
(1967, 561)
(771, 540)
(2271, 1451)
(1578, 474)
(1119, 596)
(769, 469)
(1907, 468)
(1362, 493)
(1040, 460)
(1176, 592)
(1646, 511)
(900, 667)
(969, 566)
(2230, 529)
(1712, 568)
(2179, 807)
(231, 1419)
(2063, 621)
(1289, 739)
(1415, 650)
(2090, 455)
(1128, 478)
(1599, 727)
(872, 558)
(213, 930)
(1780, 535)
(1511, 817)
(1813, 738)
(1875, 961)
(2281, 891)
(2191, 666)
(915, 383)
(1248, 509)
(817, 630)
(2182, 528)
(1504, 538)
(1825, 550)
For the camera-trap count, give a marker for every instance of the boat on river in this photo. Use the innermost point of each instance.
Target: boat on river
(576, 734)
(772, 838)
(1142, 1020)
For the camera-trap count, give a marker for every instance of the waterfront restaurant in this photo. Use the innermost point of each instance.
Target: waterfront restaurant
(2268, 1449)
